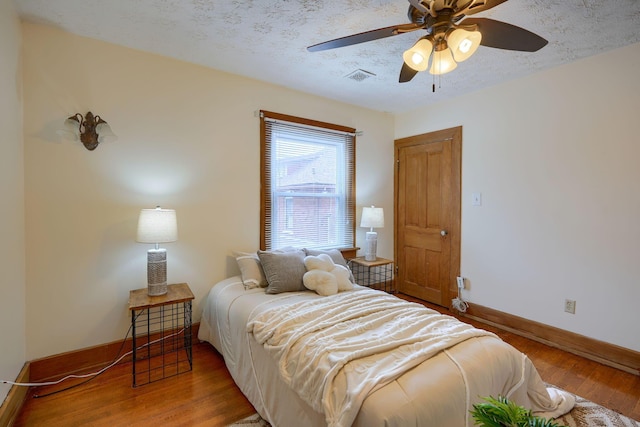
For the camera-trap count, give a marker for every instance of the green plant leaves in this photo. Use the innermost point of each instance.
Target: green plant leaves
(502, 412)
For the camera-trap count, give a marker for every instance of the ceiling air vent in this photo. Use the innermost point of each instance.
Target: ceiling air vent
(359, 75)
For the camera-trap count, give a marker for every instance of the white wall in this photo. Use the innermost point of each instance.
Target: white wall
(188, 140)
(555, 156)
(12, 247)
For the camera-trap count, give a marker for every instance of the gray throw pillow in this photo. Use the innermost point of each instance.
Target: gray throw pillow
(283, 270)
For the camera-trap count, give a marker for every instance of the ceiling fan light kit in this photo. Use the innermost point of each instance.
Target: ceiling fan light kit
(454, 46)
(451, 36)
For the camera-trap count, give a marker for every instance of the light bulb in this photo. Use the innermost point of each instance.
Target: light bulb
(416, 59)
(465, 45)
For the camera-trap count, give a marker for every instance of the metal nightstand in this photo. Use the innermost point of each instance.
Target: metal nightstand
(376, 274)
(161, 330)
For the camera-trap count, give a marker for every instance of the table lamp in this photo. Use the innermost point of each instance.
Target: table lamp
(372, 218)
(157, 226)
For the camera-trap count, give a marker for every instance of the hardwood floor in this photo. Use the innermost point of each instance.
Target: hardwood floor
(207, 396)
(610, 387)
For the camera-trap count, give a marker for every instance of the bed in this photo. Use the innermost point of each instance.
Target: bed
(366, 387)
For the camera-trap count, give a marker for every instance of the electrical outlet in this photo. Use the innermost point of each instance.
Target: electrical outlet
(460, 281)
(570, 306)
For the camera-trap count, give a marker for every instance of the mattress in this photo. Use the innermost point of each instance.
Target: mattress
(440, 391)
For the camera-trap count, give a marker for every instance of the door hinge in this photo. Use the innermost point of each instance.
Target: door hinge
(398, 164)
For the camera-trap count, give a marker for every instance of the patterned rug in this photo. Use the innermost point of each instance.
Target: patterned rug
(589, 414)
(584, 414)
(254, 420)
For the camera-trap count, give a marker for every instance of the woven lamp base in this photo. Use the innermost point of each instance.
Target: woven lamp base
(371, 246)
(156, 272)
(154, 290)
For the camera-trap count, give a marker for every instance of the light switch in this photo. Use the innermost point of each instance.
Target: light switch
(476, 199)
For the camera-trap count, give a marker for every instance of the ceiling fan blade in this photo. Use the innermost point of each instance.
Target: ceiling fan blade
(479, 6)
(506, 36)
(420, 7)
(406, 73)
(367, 36)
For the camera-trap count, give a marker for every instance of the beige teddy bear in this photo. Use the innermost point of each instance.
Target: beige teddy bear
(325, 277)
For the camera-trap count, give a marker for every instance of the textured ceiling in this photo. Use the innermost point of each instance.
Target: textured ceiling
(267, 40)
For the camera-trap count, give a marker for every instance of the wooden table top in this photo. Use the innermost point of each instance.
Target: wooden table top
(377, 262)
(178, 292)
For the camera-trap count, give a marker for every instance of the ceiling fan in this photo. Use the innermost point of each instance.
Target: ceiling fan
(451, 36)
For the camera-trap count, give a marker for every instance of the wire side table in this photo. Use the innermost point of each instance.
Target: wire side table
(161, 330)
(376, 274)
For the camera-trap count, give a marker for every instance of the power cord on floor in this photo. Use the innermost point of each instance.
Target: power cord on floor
(92, 375)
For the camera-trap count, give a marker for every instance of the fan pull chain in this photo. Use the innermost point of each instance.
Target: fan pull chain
(433, 85)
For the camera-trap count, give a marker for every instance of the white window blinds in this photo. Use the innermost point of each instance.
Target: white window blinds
(308, 191)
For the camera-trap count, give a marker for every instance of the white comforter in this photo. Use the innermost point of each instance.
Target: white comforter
(438, 391)
(333, 352)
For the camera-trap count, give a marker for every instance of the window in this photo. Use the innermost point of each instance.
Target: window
(307, 183)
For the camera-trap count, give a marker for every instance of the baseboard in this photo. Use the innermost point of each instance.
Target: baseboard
(15, 398)
(589, 348)
(83, 360)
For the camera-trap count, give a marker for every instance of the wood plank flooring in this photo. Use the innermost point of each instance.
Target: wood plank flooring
(207, 396)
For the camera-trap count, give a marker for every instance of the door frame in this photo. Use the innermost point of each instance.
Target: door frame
(455, 135)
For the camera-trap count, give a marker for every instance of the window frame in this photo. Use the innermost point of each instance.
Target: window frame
(265, 187)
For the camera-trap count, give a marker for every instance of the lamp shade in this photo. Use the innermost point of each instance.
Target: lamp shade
(372, 217)
(442, 62)
(417, 57)
(105, 134)
(157, 226)
(464, 43)
(71, 129)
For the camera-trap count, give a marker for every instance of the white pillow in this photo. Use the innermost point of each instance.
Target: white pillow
(336, 257)
(323, 282)
(324, 276)
(251, 270)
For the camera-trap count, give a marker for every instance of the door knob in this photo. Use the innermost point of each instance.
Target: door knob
(443, 233)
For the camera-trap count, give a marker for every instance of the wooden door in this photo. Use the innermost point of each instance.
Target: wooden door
(427, 215)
